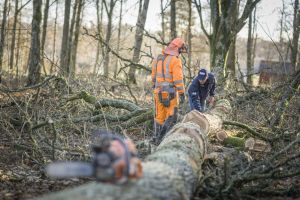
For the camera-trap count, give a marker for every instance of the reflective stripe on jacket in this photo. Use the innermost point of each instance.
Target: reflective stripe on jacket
(171, 72)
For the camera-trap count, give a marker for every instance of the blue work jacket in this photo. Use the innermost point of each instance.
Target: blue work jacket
(198, 93)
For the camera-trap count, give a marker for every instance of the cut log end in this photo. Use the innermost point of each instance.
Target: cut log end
(197, 118)
(257, 145)
(221, 135)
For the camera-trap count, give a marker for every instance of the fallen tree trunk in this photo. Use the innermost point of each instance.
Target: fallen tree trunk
(135, 116)
(249, 144)
(173, 171)
(102, 103)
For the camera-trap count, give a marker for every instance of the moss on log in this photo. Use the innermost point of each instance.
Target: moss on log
(249, 144)
(144, 117)
(173, 171)
(102, 103)
(235, 141)
(116, 103)
(137, 116)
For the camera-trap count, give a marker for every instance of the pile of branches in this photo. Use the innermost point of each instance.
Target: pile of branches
(272, 115)
(53, 120)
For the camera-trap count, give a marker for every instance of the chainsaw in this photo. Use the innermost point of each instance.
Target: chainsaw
(114, 160)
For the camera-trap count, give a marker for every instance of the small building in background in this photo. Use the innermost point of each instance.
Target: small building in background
(273, 72)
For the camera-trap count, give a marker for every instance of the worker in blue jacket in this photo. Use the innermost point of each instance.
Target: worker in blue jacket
(202, 86)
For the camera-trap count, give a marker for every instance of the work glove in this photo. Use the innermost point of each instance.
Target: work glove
(211, 100)
(181, 98)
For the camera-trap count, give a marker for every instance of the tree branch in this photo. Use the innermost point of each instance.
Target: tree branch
(199, 9)
(246, 127)
(247, 11)
(7, 90)
(99, 38)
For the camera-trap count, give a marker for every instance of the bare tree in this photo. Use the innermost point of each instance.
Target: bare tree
(231, 57)
(250, 48)
(109, 12)
(173, 19)
(13, 39)
(224, 28)
(64, 67)
(281, 22)
(138, 39)
(99, 30)
(54, 39)
(71, 35)
(44, 33)
(76, 37)
(118, 39)
(35, 57)
(2, 36)
(296, 31)
(18, 49)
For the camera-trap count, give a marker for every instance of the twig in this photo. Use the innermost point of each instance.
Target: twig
(7, 90)
(99, 38)
(246, 127)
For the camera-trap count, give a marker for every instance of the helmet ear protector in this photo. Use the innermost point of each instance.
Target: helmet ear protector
(183, 49)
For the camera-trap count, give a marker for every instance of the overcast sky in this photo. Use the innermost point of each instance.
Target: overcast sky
(268, 15)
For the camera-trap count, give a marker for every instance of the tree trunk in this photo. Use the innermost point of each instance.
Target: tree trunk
(173, 171)
(13, 40)
(230, 59)
(98, 32)
(249, 51)
(54, 39)
(18, 50)
(282, 24)
(44, 34)
(64, 67)
(35, 57)
(173, 20)
(219, 50)
(99, 28)
(108, 34)
(138, 39)
(118, 40)
(71, 36)
(76, 37)
(296, 31)
(2, 36)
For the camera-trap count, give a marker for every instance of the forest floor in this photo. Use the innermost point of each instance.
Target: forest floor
(28, 141)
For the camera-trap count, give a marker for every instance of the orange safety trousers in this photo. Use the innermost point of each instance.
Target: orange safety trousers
(161, 112)
(166, 69)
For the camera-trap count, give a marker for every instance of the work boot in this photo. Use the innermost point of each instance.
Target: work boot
(169, 123)
(155, 136)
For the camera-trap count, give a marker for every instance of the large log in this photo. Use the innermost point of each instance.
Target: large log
(173, 171)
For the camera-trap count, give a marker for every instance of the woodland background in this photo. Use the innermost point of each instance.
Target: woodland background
(68, 67)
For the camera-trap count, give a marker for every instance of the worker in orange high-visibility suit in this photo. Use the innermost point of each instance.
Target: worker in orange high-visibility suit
(168, 86)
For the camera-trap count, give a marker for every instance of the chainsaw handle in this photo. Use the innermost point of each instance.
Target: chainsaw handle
(103, 134)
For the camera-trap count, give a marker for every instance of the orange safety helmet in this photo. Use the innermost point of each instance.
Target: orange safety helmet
(176, 47)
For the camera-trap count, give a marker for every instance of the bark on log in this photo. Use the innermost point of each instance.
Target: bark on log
(102, 103)
(173, 171)
(250, 144)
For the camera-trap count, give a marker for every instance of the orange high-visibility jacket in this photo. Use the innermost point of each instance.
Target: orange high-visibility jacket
(167, 68)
